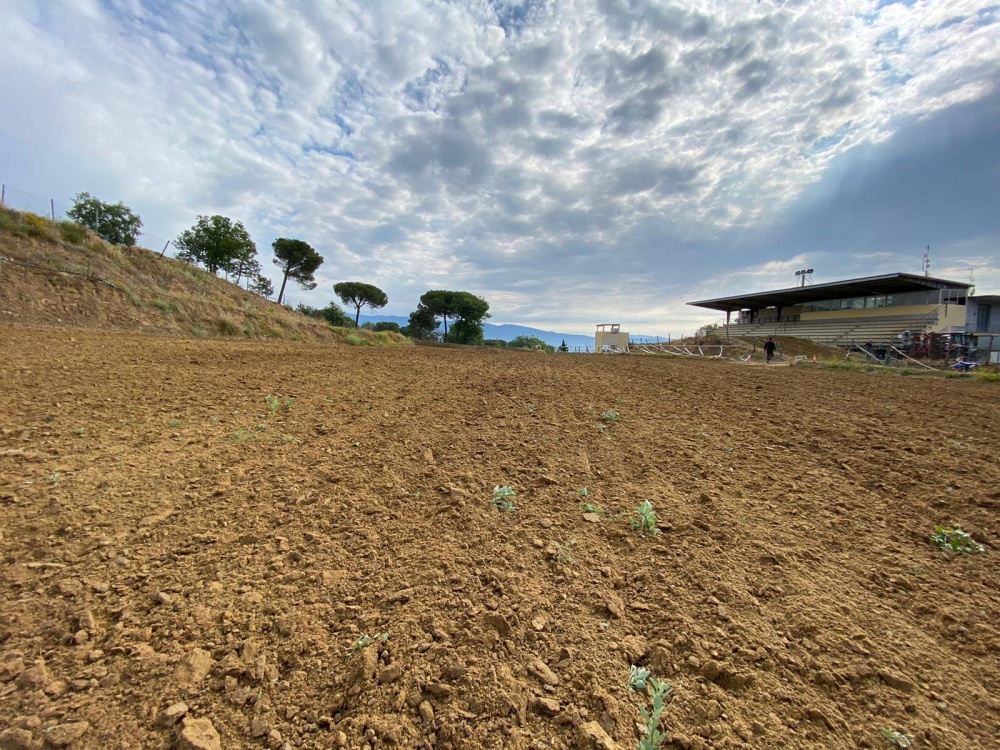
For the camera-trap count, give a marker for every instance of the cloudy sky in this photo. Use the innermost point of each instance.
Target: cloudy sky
(572, 161)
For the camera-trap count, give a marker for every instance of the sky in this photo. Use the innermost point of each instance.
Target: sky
(572, 161)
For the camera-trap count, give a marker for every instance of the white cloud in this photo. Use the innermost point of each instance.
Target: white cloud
(562, 159)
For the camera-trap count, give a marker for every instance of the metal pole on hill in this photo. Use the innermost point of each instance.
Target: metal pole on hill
(52, 205)
(3, 194)
(164, 250)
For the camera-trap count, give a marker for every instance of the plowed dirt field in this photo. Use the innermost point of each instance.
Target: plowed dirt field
(169, 537)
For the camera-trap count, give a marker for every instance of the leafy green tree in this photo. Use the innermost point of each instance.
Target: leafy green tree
(470, 311)
(246, 267)
(386, 325)
(530, 342)
(216, 242)
(498, 343)
(298, 261)
(116, 223)
(469, 332)
(261, 285)
(422, 323)
(359, 294)
(332, 314)
(460, 306)
(439, 302)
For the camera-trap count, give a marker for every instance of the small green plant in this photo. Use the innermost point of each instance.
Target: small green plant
(55, 477)
(660, 692)
(175, 424)
(645, 518)
(955, 541)
(896, 738)
(79, 431)
(610, 416)
(275, 404)
(638, 678)
(565, 554)
(502, 498)
(531, 409)
(364, 640)
(72, 232)
(591, 508)
(242, 436)
(602, 427)
(583, 492)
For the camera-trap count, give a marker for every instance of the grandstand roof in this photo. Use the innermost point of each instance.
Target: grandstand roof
(892, 283)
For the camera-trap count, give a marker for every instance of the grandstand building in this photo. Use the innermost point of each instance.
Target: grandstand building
(894, 310)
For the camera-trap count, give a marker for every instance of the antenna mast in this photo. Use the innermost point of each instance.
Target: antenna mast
(927, 261)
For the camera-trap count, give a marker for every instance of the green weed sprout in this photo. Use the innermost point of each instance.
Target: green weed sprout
(638, 678)
(661, 693)
(610, 416)
(55, 477)
(591, 508)
(242, 436)
(502, 498)
(364, 640)
(565, 554)
(583, 492)
(897, 738)
(955, 541)
(274, 403)
(645, 519)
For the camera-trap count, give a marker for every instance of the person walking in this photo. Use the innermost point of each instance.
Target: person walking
(769, 349)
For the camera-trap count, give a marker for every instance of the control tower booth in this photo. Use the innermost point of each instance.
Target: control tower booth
(609, 336)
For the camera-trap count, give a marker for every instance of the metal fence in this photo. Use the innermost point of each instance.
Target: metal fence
(58, 210)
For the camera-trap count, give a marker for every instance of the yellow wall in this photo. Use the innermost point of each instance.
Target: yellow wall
(876, 312)
(953, 318)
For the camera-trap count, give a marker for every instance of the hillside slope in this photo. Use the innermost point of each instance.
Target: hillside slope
(58, 273)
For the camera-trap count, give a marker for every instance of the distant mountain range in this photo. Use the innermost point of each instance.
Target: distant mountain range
(505, 331)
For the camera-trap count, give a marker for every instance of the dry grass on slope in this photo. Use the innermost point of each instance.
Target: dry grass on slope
(59, 273)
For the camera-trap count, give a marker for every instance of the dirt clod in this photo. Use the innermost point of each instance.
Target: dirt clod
(17, 739)
(195, 667)
(592, 735)
(64, 735)
(172, 714)
(198, 734)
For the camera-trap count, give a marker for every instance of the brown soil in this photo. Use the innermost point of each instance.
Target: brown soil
(166, 539)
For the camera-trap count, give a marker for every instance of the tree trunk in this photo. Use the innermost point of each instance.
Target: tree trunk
(283, 282)
(445, 318)
(358, 316)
